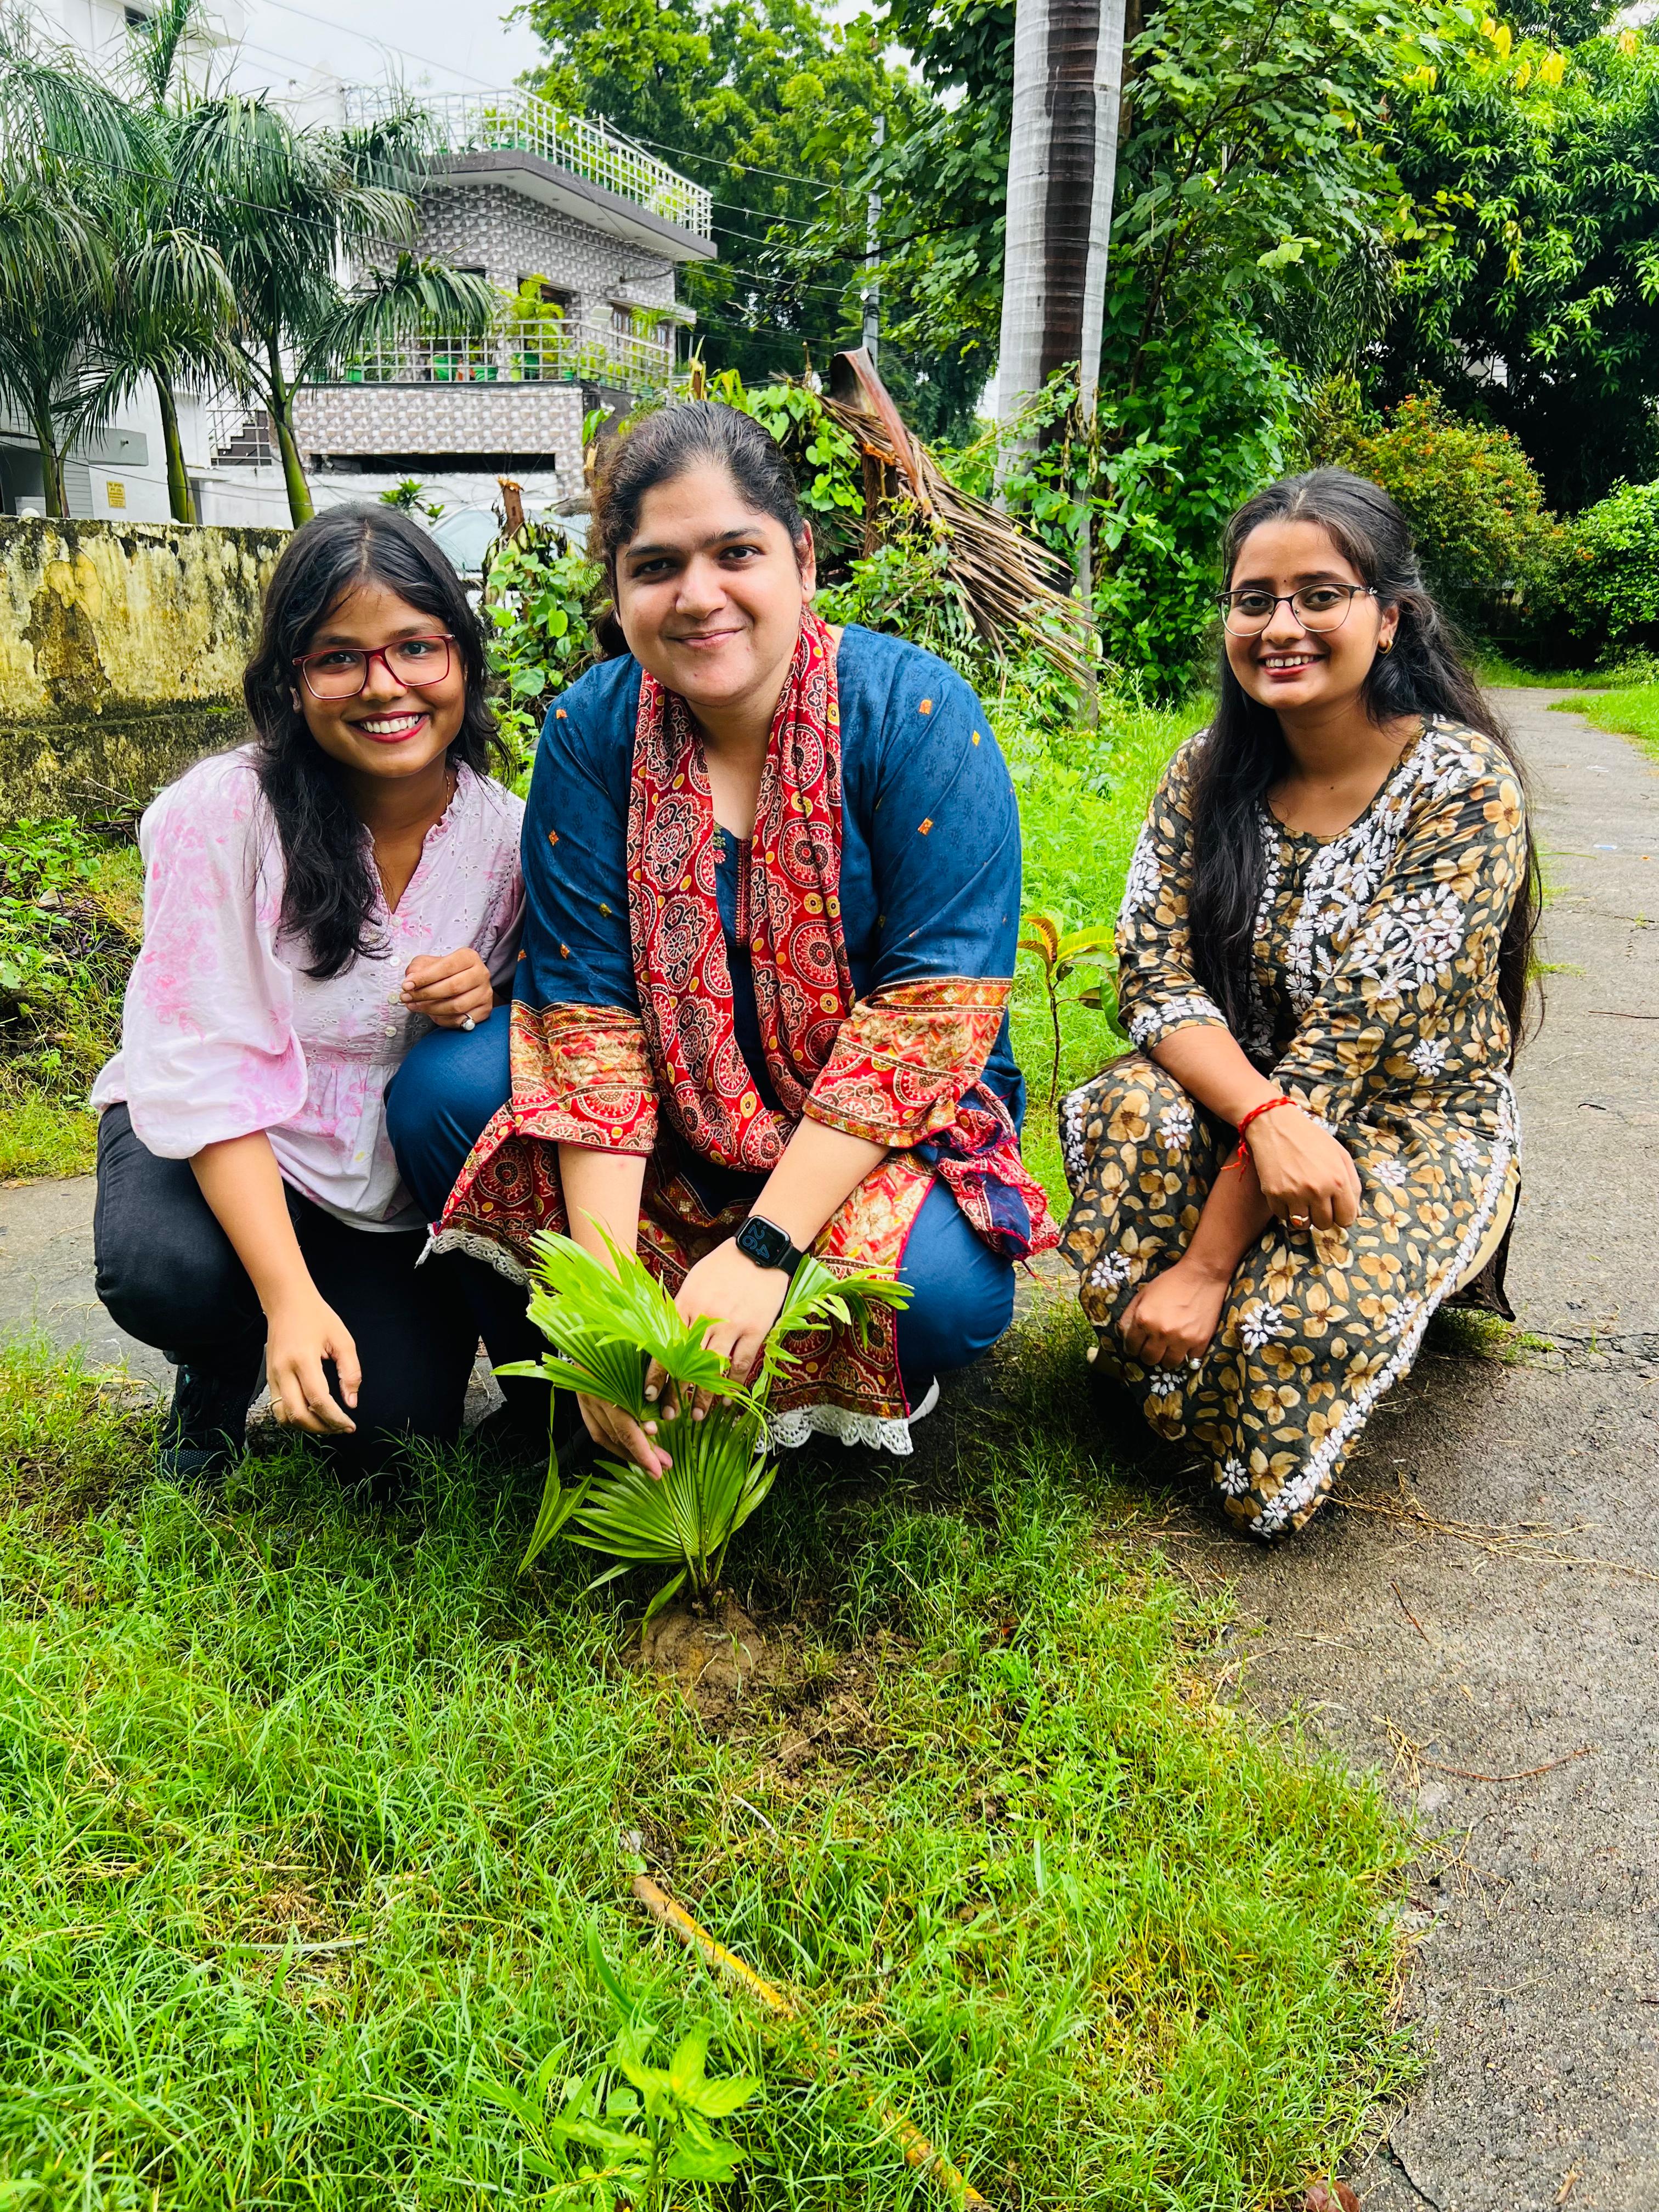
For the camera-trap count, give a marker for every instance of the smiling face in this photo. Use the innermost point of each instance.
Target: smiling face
(395, 727)
(709, 594)
(1287, 664)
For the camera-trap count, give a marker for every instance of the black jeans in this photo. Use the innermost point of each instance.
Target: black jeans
(169, 1275)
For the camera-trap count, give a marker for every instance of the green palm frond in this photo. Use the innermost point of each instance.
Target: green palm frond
(606, 1319)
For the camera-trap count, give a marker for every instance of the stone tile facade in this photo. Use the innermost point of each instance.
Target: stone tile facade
(510, 236)
(516, 426)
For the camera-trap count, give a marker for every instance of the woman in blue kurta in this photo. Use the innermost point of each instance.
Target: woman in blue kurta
(773, 876)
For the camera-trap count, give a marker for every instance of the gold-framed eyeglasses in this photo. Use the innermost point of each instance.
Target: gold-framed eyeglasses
(341, 672)
(1316, 606)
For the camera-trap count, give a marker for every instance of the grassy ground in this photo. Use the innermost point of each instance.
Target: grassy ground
(70, 905)
(305, 1808)
(1082, 801)
(1632, 713)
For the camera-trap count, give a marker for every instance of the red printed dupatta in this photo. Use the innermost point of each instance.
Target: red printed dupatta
(803, 986)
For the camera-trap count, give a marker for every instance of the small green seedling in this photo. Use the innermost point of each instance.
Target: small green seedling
(1058, 951)
(626, 2133)
(606, 1324)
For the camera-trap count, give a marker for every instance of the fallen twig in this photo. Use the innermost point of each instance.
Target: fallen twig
(1409, 1751)
(1410, 1615)
(918, 2151)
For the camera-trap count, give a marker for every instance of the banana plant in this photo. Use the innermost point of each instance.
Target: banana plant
(1058, 951)
(606, 1320)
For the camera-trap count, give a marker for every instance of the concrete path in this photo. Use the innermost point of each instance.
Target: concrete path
(1477, 1616)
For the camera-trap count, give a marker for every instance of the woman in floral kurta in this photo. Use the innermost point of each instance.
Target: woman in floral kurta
(1375, 1006)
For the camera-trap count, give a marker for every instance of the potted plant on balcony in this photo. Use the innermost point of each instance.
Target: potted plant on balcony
(534, 324)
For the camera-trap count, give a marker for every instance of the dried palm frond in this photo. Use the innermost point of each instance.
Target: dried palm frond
(1016, 593)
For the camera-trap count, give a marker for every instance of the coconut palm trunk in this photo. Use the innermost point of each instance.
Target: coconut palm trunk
(1061, 163)
(280, 408)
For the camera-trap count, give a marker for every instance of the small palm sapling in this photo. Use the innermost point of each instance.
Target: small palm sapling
(606, 1323)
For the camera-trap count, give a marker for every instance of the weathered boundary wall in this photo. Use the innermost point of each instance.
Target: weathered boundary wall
(122, 646)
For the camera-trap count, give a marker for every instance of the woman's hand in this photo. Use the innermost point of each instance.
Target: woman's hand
(619, 1432)
(742, 1299)
(301, 1332)
(1307, 1179)
(1172, 1320)
(448, 987)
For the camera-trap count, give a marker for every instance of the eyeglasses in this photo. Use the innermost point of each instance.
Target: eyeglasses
(341, 672)
(1316, 606)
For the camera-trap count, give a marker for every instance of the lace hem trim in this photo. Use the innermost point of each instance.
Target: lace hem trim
(789, 1431)
(478, 1248)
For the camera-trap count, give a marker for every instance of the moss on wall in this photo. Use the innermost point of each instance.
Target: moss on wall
(121, 654)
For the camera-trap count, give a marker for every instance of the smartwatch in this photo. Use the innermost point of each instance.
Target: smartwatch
(767, 1245)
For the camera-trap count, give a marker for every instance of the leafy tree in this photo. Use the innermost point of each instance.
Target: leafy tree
(773, 106)
(1531, 298)
(284, 208)
(1607, 583)
(1471, 496)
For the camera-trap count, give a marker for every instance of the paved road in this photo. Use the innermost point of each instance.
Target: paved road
(1484, 1600)
(1535, 1969)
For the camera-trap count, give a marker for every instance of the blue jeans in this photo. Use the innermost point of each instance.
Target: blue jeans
(453, 1081)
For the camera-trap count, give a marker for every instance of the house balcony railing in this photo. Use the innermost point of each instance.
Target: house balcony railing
(521, 353)
(518, 121)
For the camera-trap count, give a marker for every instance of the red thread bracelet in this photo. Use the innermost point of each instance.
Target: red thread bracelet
(1265, 1107)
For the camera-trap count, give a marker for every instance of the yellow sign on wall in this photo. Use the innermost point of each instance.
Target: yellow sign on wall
(115, 492)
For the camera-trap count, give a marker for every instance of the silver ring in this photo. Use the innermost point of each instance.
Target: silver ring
(467, 1021)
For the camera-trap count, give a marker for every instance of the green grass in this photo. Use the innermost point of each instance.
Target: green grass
(1630, 713)
(1495, 670)
(1082, 801)
(305, 1807)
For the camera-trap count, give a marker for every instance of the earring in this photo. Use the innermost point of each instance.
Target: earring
(1385, 645)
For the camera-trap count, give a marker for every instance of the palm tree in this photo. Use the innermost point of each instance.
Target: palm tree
(65, 147)
(1061, 163)
(284, 209)
(173, 304)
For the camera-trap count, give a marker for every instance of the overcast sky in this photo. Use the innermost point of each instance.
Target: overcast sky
(433, 46)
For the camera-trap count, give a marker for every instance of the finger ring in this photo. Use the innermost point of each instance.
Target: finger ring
(467, 1021)
(1301, 1220)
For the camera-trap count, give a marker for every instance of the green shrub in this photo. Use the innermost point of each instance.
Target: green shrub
(1608, 581)
(1472, 499)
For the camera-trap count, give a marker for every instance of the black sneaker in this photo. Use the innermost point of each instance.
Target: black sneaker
(206, 1428)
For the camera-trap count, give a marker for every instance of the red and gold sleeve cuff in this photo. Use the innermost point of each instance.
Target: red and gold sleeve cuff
(905, 1056)
(581, 1076)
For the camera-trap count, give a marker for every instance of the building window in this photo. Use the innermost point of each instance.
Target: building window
(621, 321)
(137, 17)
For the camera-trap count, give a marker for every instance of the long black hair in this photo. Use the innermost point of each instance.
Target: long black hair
(331, 889)
(1245, 753)
(665, 444)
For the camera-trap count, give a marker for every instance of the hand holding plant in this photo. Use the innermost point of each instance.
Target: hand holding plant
(612, 1326)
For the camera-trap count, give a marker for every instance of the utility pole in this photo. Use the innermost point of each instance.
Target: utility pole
(871, 254)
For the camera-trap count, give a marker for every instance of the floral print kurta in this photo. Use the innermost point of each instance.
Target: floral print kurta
(1375, 1007)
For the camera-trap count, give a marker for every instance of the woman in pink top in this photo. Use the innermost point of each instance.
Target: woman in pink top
(313, 903)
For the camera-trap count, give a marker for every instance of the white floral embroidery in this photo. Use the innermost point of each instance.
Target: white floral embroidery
(1466, 1152)
(1411, 942)
(1344, 876)
(1162, 1382)
(1174, 1126)
(1259, 1326)
(1234, 1477)
(1112, 1271)
(1389, 1173)
(1429, 1057)
(1141, 886)
(1151, 1023)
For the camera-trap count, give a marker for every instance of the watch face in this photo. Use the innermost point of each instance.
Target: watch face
(766, 1246)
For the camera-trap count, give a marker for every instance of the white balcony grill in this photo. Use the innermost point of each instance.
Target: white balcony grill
(522, 353)
(489, 121)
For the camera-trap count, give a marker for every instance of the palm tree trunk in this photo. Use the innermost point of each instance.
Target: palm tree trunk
(52, 466)
(179, 503)
(1051, 168)
(282, 423)
(1108, 86)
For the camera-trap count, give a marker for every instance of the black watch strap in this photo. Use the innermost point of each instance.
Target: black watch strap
(767, 1245)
